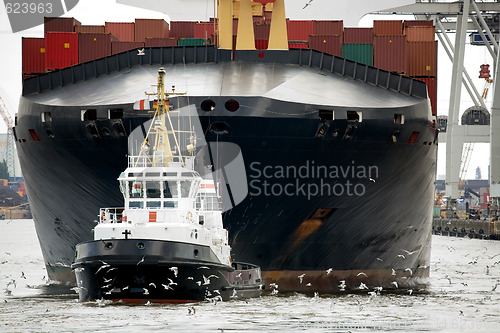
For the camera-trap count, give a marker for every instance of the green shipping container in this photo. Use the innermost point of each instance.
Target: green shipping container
(362, 53)
(191, 42)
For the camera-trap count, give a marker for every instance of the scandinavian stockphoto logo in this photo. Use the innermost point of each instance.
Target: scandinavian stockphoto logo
(26, 14)
(311, 179)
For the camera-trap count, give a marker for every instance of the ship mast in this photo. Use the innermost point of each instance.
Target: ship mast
(162, 152)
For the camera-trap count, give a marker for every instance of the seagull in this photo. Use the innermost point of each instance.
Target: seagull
(111, 269)
(380, 259)
(362, 286)
(102, 267)
(107, 280)
(273, 285)
(408, 252)
(401, 256)
(175, 270)
(410, 291)
(239, 275)
(393, 272)
(342, 285)
(167, 287)
(328, 271)
(309, 284)
(142, 260)
(409, 270)
(307, 4)
(140, 52)
(395, 284)
(125, 288)
(171, 283)
(191, 310)
(206, 280)
(190, 278)
(153, 285)
(146, 292)
(301, 277)
(198, 282)
(203, 267)
(362, 273)
(371, 179)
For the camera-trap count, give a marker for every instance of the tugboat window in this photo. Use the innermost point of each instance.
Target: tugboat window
(170, 204)
(153, 189)
(135, 189)
(170, 189)
(185, 187)
(136, 204)
(153, 204)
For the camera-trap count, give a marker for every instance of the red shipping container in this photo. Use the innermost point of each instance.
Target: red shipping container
(93, 29)
(150, 28)
(419, 23)
(261, 31)
(261, 44)
(94, 46)
(420, 34)
(204, 29)
(182, 29)
(61, 50)
(60, 24)
(421, 58)
(388, 28)
(295, 45)
(124, 31)
(358, 36)
(119, 47)
(389, 53)
(33, 55)
(160, 42)
(299, 30)
(431, 83)
(327, 44)
(328, 28)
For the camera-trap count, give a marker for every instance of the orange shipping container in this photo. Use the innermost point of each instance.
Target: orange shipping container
(33, 50)
(358, 36)
(204, 29)
(94, 46)
(327, 44)
(150, 28)
(388, 28)
(160, 42)
(431, 83)
(119, 47)
(420, 34)
(419, 23)
(389, 53)
(299, 30)
(124, 31)
(328, 28)
(60, 24)
(182, 29)
(93, 29)
(421, 59)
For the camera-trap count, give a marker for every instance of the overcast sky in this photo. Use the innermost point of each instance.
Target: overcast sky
(91, 12)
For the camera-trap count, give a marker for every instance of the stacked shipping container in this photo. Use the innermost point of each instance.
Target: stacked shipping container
(407, 47)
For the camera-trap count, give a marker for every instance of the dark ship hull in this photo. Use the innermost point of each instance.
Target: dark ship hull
(141, 270)
(348, 198)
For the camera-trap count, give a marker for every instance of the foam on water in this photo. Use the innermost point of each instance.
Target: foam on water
(463, 295)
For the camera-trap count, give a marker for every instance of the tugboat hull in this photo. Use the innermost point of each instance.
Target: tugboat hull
(137, 270)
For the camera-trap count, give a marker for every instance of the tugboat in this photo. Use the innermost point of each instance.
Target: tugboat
(167, 244)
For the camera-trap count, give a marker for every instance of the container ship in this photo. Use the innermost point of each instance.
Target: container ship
(335, 128)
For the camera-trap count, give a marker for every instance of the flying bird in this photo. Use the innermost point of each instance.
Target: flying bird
(102, 267)
(362, 273)
(395, 284)
(328, 271)
(175, 270)
(142, 260)
(140, 52)
(301, 277)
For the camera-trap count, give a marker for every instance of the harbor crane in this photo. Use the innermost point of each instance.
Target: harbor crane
(10, 154)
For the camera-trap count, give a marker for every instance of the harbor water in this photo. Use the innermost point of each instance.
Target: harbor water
(463, 296)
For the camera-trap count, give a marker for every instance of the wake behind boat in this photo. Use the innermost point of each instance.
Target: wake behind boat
(167, 244)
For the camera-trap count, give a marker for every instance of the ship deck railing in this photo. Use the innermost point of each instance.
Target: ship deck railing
(142, 161)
